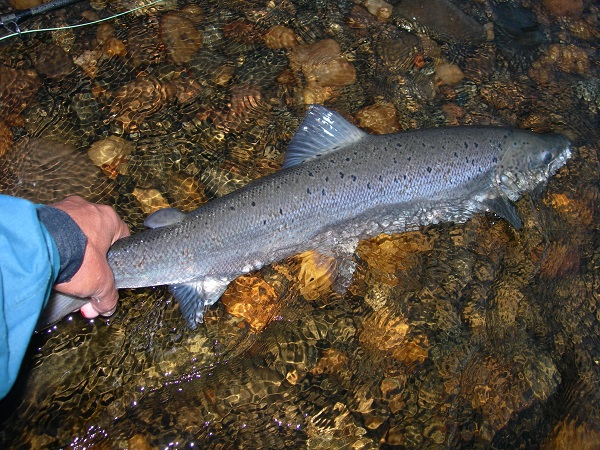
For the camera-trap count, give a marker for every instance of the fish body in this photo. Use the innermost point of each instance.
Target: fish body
(338, 185)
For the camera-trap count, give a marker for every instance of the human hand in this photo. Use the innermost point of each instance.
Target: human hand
(94, 279)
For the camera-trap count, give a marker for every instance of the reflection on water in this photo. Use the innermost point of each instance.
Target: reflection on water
(454, 336)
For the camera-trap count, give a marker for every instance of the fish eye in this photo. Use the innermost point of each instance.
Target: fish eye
(546, 157)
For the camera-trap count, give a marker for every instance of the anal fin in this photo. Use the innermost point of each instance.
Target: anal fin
(345, 265)
(196, 296)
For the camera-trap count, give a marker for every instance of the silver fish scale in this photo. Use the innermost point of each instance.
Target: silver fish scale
(400, 180)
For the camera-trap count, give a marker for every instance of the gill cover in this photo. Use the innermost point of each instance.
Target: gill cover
(529, 160)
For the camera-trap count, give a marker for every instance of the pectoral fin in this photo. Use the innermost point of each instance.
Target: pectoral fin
(505, 209)
(196, 296)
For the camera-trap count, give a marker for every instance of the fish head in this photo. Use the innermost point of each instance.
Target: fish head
(529, 160)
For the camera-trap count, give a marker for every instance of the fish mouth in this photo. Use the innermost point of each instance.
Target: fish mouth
(561, 159)
(564, 153)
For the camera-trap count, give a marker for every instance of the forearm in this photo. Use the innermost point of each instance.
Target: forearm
(29, 266)
(62, 245)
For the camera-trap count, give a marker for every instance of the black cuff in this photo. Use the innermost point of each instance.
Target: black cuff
(69, 240)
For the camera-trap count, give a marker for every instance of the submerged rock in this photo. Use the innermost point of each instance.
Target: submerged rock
(18, 90)
(180, 37)
(568, 8)
(280, 36)
(442, 19)
(380, 118)
(53, 62)
(46, 171)
(110, 155)
(449, 74)
(324, 68)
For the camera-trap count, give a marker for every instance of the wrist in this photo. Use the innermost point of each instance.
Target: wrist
(68, 237)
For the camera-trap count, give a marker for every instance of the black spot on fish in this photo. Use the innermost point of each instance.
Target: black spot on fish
(368, 185)
(380, 178)
(310, 174)
(466, 145)
(253, 203)
(423, 144)
(494, 159)
(347, 159)
(409, 158)
(404, 176)
(456, 154)
(476, 145)
(395, 180)
(395, 161)
(281, 211)
(429, 169)
(264, 222)
(232, 208)
(353, 177)
(308, 190)
(323, 192)
(341, 174)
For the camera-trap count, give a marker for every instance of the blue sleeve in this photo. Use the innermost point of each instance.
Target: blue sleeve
(29, 266)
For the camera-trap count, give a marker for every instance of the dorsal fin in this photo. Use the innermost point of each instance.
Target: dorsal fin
(321, 131)
(164, 217)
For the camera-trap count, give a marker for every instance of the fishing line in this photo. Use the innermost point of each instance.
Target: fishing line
(19, 32)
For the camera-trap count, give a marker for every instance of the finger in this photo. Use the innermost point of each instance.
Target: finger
(88, 311)
(123, 230)
(106, 302)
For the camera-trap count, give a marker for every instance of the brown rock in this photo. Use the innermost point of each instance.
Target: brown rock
(569, 8)
(88, 61)
(332, 361)
(573, 434)
(53, 62)
(387, 254)
(253, 299)
(135, 101)
(110, 155)
(150, 200)
(567, 58)
(380, 9)
(449, 74)
(180, 37)
(279, 36)
(6, 139)
(46, 171)
(25, 4)
(316, 274)
(324, 69)
(380, 118)
(17, 89)
(186, 192)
